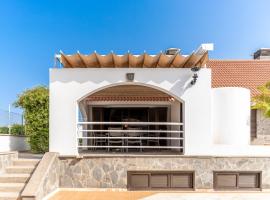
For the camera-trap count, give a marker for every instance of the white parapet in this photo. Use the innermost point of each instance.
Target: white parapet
(13, 143)
(231, 116)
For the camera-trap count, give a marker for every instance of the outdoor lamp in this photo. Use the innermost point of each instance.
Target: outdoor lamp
(195, 75)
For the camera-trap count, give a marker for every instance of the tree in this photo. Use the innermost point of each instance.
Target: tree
(35, 104)
(262, 101)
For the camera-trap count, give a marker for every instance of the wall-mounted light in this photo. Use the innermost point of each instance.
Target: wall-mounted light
(130, 76)
(195, 75)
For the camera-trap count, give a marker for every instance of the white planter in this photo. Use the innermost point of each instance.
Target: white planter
(13, 143)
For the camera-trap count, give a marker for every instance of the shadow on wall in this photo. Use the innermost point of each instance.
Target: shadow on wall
(177, 81)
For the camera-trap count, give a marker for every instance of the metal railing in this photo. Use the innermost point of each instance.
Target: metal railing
(99, 135)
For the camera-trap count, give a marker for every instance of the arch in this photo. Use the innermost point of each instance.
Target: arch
(133, 84)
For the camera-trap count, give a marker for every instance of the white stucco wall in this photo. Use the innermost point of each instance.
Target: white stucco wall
(216, 120)
(13, 143)
(67, 86)
(231, 116)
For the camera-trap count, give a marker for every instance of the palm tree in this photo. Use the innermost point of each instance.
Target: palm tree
(262, 101)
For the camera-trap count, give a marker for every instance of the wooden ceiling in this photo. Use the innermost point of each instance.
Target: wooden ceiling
(129, 93)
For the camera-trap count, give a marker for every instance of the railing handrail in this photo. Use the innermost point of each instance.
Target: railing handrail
(130, 131)
(137, 147)
(129, 137)
(132, 123)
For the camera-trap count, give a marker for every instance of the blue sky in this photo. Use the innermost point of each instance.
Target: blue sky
(31, 32)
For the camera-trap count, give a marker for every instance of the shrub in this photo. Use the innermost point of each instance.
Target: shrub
(262, 101)
(17, 129)
(35, 104)
(3, 130)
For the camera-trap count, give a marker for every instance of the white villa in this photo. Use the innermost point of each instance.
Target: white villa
(149, 122)
(161, 104)
(159, 121)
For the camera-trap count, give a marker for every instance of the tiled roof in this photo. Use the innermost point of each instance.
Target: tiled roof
(240, 73)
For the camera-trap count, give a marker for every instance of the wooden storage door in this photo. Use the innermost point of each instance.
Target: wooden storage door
(226, 181)
(139, 181)
(237, 180)
(182, 180)
(249, 180)
(154, 180)
(159, 181)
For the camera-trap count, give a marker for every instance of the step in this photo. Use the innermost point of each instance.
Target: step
(26, 162)
(11, 187)
(20, 169)
(9, 195)
(14, 178)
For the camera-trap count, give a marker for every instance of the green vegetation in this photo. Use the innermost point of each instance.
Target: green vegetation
(35, 104)
(262, 101)
(15, 129)
(3, 130)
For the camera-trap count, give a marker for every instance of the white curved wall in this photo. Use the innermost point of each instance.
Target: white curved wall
(230, 116)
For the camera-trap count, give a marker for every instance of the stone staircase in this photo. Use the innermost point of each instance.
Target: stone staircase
(13, 181)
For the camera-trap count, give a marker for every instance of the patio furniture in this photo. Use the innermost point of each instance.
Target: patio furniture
(134, 141)
(100, 141)
(112, 132)
(153, 141)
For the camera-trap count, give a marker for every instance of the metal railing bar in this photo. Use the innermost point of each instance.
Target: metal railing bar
(133, 123)
(158, 138)
(133, 131)
(134, 147)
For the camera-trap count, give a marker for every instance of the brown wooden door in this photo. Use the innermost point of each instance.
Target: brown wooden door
(237, 180)
(158, 180)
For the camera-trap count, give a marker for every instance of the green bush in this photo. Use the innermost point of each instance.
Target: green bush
(17, 129)
(262, 100)
(35, 104)
(3, 130)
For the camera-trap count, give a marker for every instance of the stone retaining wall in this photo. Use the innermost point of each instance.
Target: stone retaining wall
(6, 159)
(111, 172)
(263, 129)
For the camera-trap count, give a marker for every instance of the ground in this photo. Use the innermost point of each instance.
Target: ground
(147, 195)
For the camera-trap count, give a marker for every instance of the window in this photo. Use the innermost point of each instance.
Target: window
(253, 124)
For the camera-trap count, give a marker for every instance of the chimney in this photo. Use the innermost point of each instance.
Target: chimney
(262, 54)
(172, 51)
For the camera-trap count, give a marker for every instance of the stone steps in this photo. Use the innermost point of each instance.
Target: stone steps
(20, 169)
(11, 187)
(15, 178)
(25, 162)
(9, 195)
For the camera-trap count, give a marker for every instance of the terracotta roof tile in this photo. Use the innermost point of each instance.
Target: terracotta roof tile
(240, 73)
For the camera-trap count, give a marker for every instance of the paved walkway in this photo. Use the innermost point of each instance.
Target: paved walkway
(147, 195)
(29, 155)
(208, 196)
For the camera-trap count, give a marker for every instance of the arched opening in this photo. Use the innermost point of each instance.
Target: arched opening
(130, 118)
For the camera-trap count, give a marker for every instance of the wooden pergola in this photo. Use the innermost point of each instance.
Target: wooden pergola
(111, 60)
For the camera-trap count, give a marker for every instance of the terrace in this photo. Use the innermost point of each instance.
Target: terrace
(128, 119)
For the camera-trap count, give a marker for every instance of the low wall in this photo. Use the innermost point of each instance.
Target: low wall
(6, 159)
(45, 178)
(111, 172)
(13, 143)
(55, 172)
